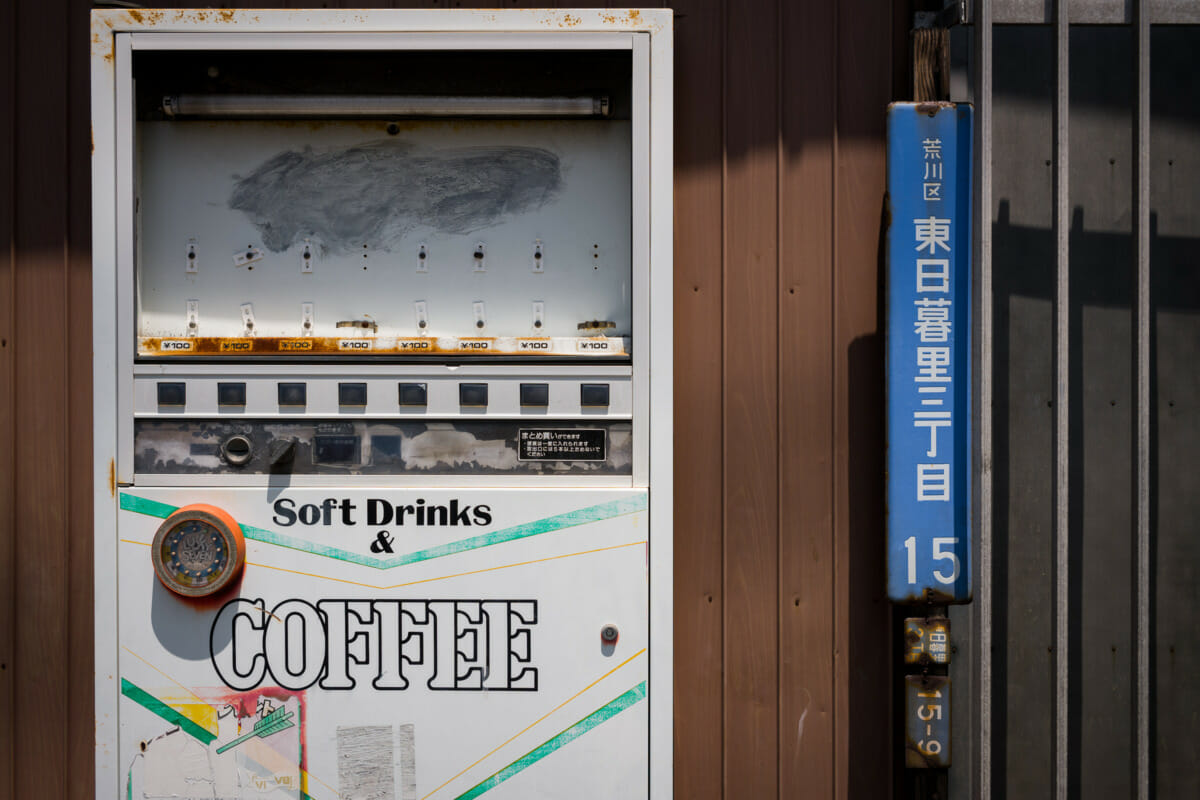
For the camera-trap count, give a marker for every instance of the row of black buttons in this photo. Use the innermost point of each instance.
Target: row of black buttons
(591, 395)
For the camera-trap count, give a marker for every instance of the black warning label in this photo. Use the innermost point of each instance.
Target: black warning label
(562, 444)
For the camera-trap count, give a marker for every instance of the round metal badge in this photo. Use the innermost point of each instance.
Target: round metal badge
(198, 551)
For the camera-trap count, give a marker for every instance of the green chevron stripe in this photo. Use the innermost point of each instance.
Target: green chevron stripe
(156, 706)
(572, 733)
(570, 519)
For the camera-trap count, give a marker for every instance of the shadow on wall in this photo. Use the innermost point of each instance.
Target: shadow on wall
(867, 651)
(1101, 592)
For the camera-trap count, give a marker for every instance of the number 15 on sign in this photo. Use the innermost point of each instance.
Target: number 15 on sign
(943, 550)
(928, 569)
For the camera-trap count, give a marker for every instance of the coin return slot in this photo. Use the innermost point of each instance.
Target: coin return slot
(237, 450)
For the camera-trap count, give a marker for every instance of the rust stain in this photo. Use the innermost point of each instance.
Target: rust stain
(631, 18)
(930, 596)
(143, 16)
(916, 632)
(92, 138)
(112, 478)
(102, 43)
(932, 108)
(206, 15)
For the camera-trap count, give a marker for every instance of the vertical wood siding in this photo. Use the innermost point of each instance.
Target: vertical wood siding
(781, 630)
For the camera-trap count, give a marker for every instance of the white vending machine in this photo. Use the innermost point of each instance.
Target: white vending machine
(383, 404)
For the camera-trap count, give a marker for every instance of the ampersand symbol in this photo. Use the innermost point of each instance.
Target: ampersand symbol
(383, 543)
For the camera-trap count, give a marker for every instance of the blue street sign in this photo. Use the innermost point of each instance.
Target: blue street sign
(929, 353)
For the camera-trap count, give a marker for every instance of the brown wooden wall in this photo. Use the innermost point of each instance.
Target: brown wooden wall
(781, 630)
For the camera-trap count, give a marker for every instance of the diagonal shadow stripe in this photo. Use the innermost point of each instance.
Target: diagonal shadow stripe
(582, 516)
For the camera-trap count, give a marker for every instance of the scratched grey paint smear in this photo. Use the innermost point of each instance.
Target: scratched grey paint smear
(375, 193)
(365, 767)
(406, 745)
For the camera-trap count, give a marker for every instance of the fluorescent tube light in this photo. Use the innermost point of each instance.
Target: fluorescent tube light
(344, 105)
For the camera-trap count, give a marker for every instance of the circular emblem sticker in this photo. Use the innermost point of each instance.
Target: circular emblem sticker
(198, 551)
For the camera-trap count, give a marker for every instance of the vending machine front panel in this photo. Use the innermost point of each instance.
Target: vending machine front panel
(382, 473)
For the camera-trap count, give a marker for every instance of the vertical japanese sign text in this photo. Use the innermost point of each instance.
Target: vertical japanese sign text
(929, 353)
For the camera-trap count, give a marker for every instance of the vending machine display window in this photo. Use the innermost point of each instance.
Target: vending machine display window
(413, 204)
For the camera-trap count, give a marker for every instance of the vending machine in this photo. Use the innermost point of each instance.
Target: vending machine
(382, 335)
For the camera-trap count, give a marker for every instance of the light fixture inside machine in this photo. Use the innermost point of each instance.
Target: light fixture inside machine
(198, 550)
(302, 105)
